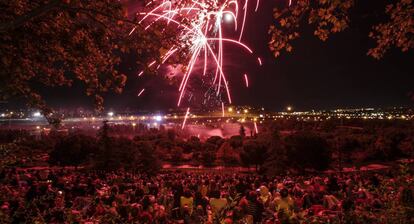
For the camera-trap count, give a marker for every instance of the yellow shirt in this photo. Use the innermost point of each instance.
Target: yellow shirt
(187, 202)
(217, 204)
(284, 203)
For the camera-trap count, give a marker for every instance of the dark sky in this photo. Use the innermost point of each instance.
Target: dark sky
(316, 75)
(336, 73)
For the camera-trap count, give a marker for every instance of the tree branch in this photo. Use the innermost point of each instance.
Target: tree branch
(35, 13)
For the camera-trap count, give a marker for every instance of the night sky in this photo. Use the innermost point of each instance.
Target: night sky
(316, 75)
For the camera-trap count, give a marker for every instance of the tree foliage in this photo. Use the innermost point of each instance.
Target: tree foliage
(51, 43)
(332, 16)
(254, 153)
(73, 150)
(397, 32)
(305, 150)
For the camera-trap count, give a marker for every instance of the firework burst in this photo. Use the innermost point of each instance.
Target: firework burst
(201, 35)
(200, 28)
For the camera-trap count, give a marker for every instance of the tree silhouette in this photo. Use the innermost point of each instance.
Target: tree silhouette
(73, 150)
(333, 16)
(307, 150)
(254, 153)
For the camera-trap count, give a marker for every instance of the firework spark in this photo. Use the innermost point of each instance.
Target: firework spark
(141, 92)
(246, 79)
(260, 61)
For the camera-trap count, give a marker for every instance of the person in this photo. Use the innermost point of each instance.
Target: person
(217, 203)
(186, 202)
(265, 196)
(254, 207)
(284, 202)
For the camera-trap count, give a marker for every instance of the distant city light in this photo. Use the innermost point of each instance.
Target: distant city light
(158, 118)
(230, 109)
(37, 114)
(289, 108)
(110, 114)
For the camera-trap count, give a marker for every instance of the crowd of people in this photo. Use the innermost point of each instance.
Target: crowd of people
(80, 196)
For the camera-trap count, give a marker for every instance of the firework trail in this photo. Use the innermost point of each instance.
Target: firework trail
(255, 128)
(260, 61)
(185, 118)
(140, 93)
(246, 79)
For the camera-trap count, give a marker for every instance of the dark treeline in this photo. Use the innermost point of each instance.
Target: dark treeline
(282, 146)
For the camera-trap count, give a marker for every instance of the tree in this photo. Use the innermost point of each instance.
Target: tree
(208, 158)
(123, 153)
(147, 161)
(346, 147)
(215, 140)
(254, 153)
(236, 141)
(176, 155)
(387, 146)
(72, 150)
(49, 43)
(192, 145)
(227, 154)
(333, 16)
(307, 151)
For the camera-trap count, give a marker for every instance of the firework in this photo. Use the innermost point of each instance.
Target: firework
(201, 38)
(201, 34)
